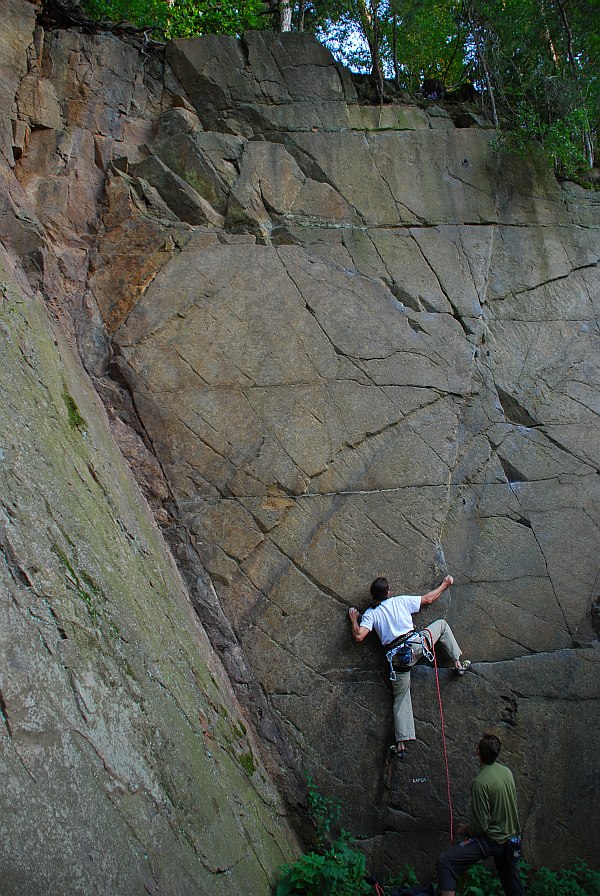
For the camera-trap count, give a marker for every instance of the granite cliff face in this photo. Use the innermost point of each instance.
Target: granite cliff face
(334, 340)
(128, 766)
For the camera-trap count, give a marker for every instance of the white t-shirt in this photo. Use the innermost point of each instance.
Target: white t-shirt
(393, 617)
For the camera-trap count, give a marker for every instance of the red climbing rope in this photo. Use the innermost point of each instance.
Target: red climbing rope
(443, 729)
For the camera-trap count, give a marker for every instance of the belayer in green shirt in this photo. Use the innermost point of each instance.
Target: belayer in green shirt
(493, 828)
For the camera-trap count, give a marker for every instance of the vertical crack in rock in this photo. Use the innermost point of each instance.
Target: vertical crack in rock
(508, 715)
(417, 219)
(4, 715)
(455, 311)
(18, 573)
(481, 294)
(515, 492)
(338, 351)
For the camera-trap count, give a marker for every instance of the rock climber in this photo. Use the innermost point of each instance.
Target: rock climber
(391, 618)
(493, 828)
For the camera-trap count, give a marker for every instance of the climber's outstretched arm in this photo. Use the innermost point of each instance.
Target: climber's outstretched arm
(433, 595)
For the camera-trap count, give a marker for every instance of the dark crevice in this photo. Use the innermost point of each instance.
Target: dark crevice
(414, 325)
(404, 297)
(458, 318)
(277, 754)
(514, 411)
(307, 164)
(59, 627)
(513, 475)
(4, 714)
(18, 574)
(508, 711)
(595, 613)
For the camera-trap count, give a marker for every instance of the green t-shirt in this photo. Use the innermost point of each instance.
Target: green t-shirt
(494, 803)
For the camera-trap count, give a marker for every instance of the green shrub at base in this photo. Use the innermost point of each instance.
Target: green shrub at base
(579, 880)
(338, 871)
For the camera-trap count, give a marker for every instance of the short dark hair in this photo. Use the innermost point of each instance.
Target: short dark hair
(489, 748)
(380, 588)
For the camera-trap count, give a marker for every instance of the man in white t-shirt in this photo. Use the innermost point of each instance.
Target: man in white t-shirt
(391, 618)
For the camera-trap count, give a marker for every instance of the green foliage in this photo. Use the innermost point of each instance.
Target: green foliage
(149, 14)
(562, 142)
(537, 64)
(405, 878)
(322, 811)
(579, 880)
(333, 869)
(247, 763)
(338, 871)
(426, 40)
(186, 18)
(479, 881)
(76, 420)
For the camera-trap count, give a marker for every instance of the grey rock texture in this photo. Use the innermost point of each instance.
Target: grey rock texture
(337, 341)
(127, 764)
(128, 767)
(395, 373)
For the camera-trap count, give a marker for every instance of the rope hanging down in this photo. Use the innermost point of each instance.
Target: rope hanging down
(443, 730)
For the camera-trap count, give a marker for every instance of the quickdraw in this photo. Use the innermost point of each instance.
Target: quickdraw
(403, 649)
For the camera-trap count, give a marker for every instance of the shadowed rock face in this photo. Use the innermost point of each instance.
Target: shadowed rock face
(357, 342)
(127, 764)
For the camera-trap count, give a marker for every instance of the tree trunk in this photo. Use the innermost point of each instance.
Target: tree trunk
(285, 15)
(395, 49)
(369, 20)
(482, 61)
(586, 131)
(376, 72)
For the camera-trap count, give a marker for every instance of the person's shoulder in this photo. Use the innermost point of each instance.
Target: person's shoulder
(368, 615)
(504, 770)
(496, 771)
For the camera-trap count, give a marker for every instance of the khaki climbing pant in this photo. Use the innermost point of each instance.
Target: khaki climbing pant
(404, 723)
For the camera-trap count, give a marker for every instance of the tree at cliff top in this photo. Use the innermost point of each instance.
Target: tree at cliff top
(538, 63)
(534, 63)
(181, 18)
(413, 40)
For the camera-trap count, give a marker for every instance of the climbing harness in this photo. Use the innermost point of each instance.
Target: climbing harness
(443, 730)
(402, 648)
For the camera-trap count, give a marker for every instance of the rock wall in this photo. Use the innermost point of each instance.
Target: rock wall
(337, 340)
(127, 764)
